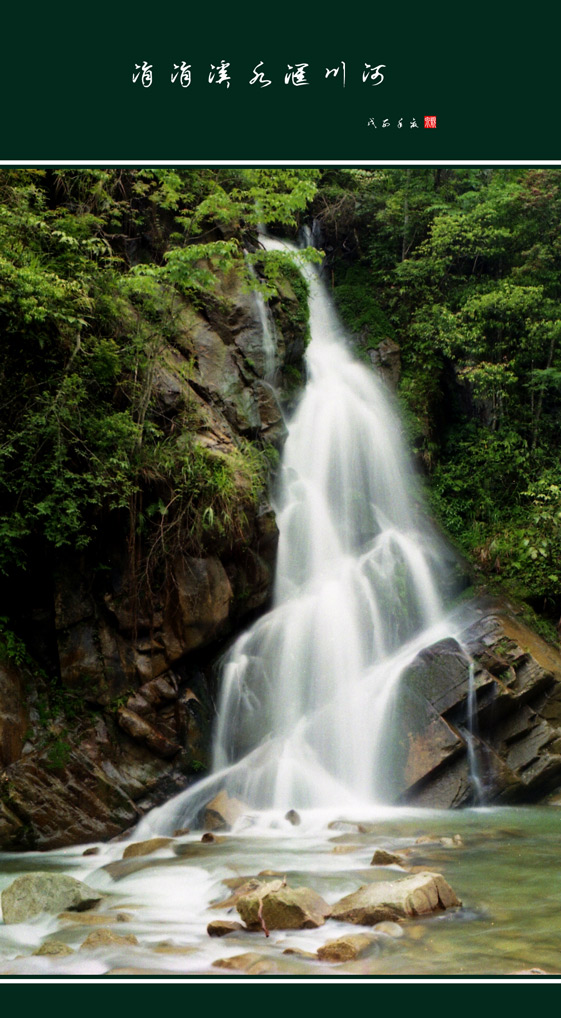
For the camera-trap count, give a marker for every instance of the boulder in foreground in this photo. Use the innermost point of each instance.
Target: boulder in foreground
(275, 906)
(419, 894)
(34, 893)
(223, 811)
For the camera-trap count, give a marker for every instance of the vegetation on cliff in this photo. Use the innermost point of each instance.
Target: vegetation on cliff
(98, 271)
(462, 267)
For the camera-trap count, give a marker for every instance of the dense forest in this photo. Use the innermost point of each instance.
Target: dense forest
(459, 268)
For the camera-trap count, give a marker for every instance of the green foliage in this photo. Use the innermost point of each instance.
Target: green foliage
(359, 308)
(58, 753)
(12, 648)
(95, 269)
(465, 265)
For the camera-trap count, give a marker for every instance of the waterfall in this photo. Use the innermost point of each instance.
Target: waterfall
(268, 339)
(470, 735)
(304, 691)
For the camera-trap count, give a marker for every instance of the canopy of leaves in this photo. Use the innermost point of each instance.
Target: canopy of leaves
(95, 266)
(464, 266)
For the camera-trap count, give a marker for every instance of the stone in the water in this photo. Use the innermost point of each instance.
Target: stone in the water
(34, 893)
(223, 811)
(247, 886)
(389, 929)
(54, 949)
(251, 962)
(222, 927)
(300, 953)
(345, 948)
(85, 905)
(180, 831)
(91, 851)
(106, 938)
(455, 842)
(383, 858)
(94, 918)
(168, 947)
(419, 894)
(274, 906)
(139, 848)
(293, 817)
(211, 839)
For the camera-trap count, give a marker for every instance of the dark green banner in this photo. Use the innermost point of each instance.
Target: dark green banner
(260, 82)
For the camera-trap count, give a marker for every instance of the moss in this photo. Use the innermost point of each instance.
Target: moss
(294, 293)
(358, 307)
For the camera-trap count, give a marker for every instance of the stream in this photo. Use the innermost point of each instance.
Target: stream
(510, 920)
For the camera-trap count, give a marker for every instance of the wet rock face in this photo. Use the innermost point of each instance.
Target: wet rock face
(96, 780)
(13, 713)
(106, 649)
(386, 359)
(515, 727)
(138, 728)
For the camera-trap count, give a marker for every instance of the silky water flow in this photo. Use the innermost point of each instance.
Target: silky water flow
(306, 692)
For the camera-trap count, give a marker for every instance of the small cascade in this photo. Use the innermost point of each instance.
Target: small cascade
(268, 335)
(475, 776)
(304, 692)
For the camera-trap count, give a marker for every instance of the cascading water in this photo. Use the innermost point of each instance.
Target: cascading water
(304, 692)
(269, 345)
(476, 779)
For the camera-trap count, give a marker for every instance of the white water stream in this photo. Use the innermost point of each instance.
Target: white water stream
(303, 692)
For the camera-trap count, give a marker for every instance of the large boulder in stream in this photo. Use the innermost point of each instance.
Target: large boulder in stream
(34, 893)
(274, 906)
(419, 894)
(478, 717)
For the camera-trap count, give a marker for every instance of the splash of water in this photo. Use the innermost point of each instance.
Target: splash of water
(304, 691)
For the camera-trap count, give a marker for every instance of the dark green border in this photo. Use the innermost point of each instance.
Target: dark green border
(490, 76)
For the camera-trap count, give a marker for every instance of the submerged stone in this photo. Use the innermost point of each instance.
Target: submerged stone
(383, 858)
(389, 929)
(222, 927)
(54, 949)
(299, 953)
(345, 948)
(139, 848)
(106, 938)
(251, 962)
(94, 918)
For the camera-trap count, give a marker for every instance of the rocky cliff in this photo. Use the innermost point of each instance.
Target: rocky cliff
(479, 717)
(112, 715)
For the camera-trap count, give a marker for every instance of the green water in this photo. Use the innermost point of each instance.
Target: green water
(506, 872)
